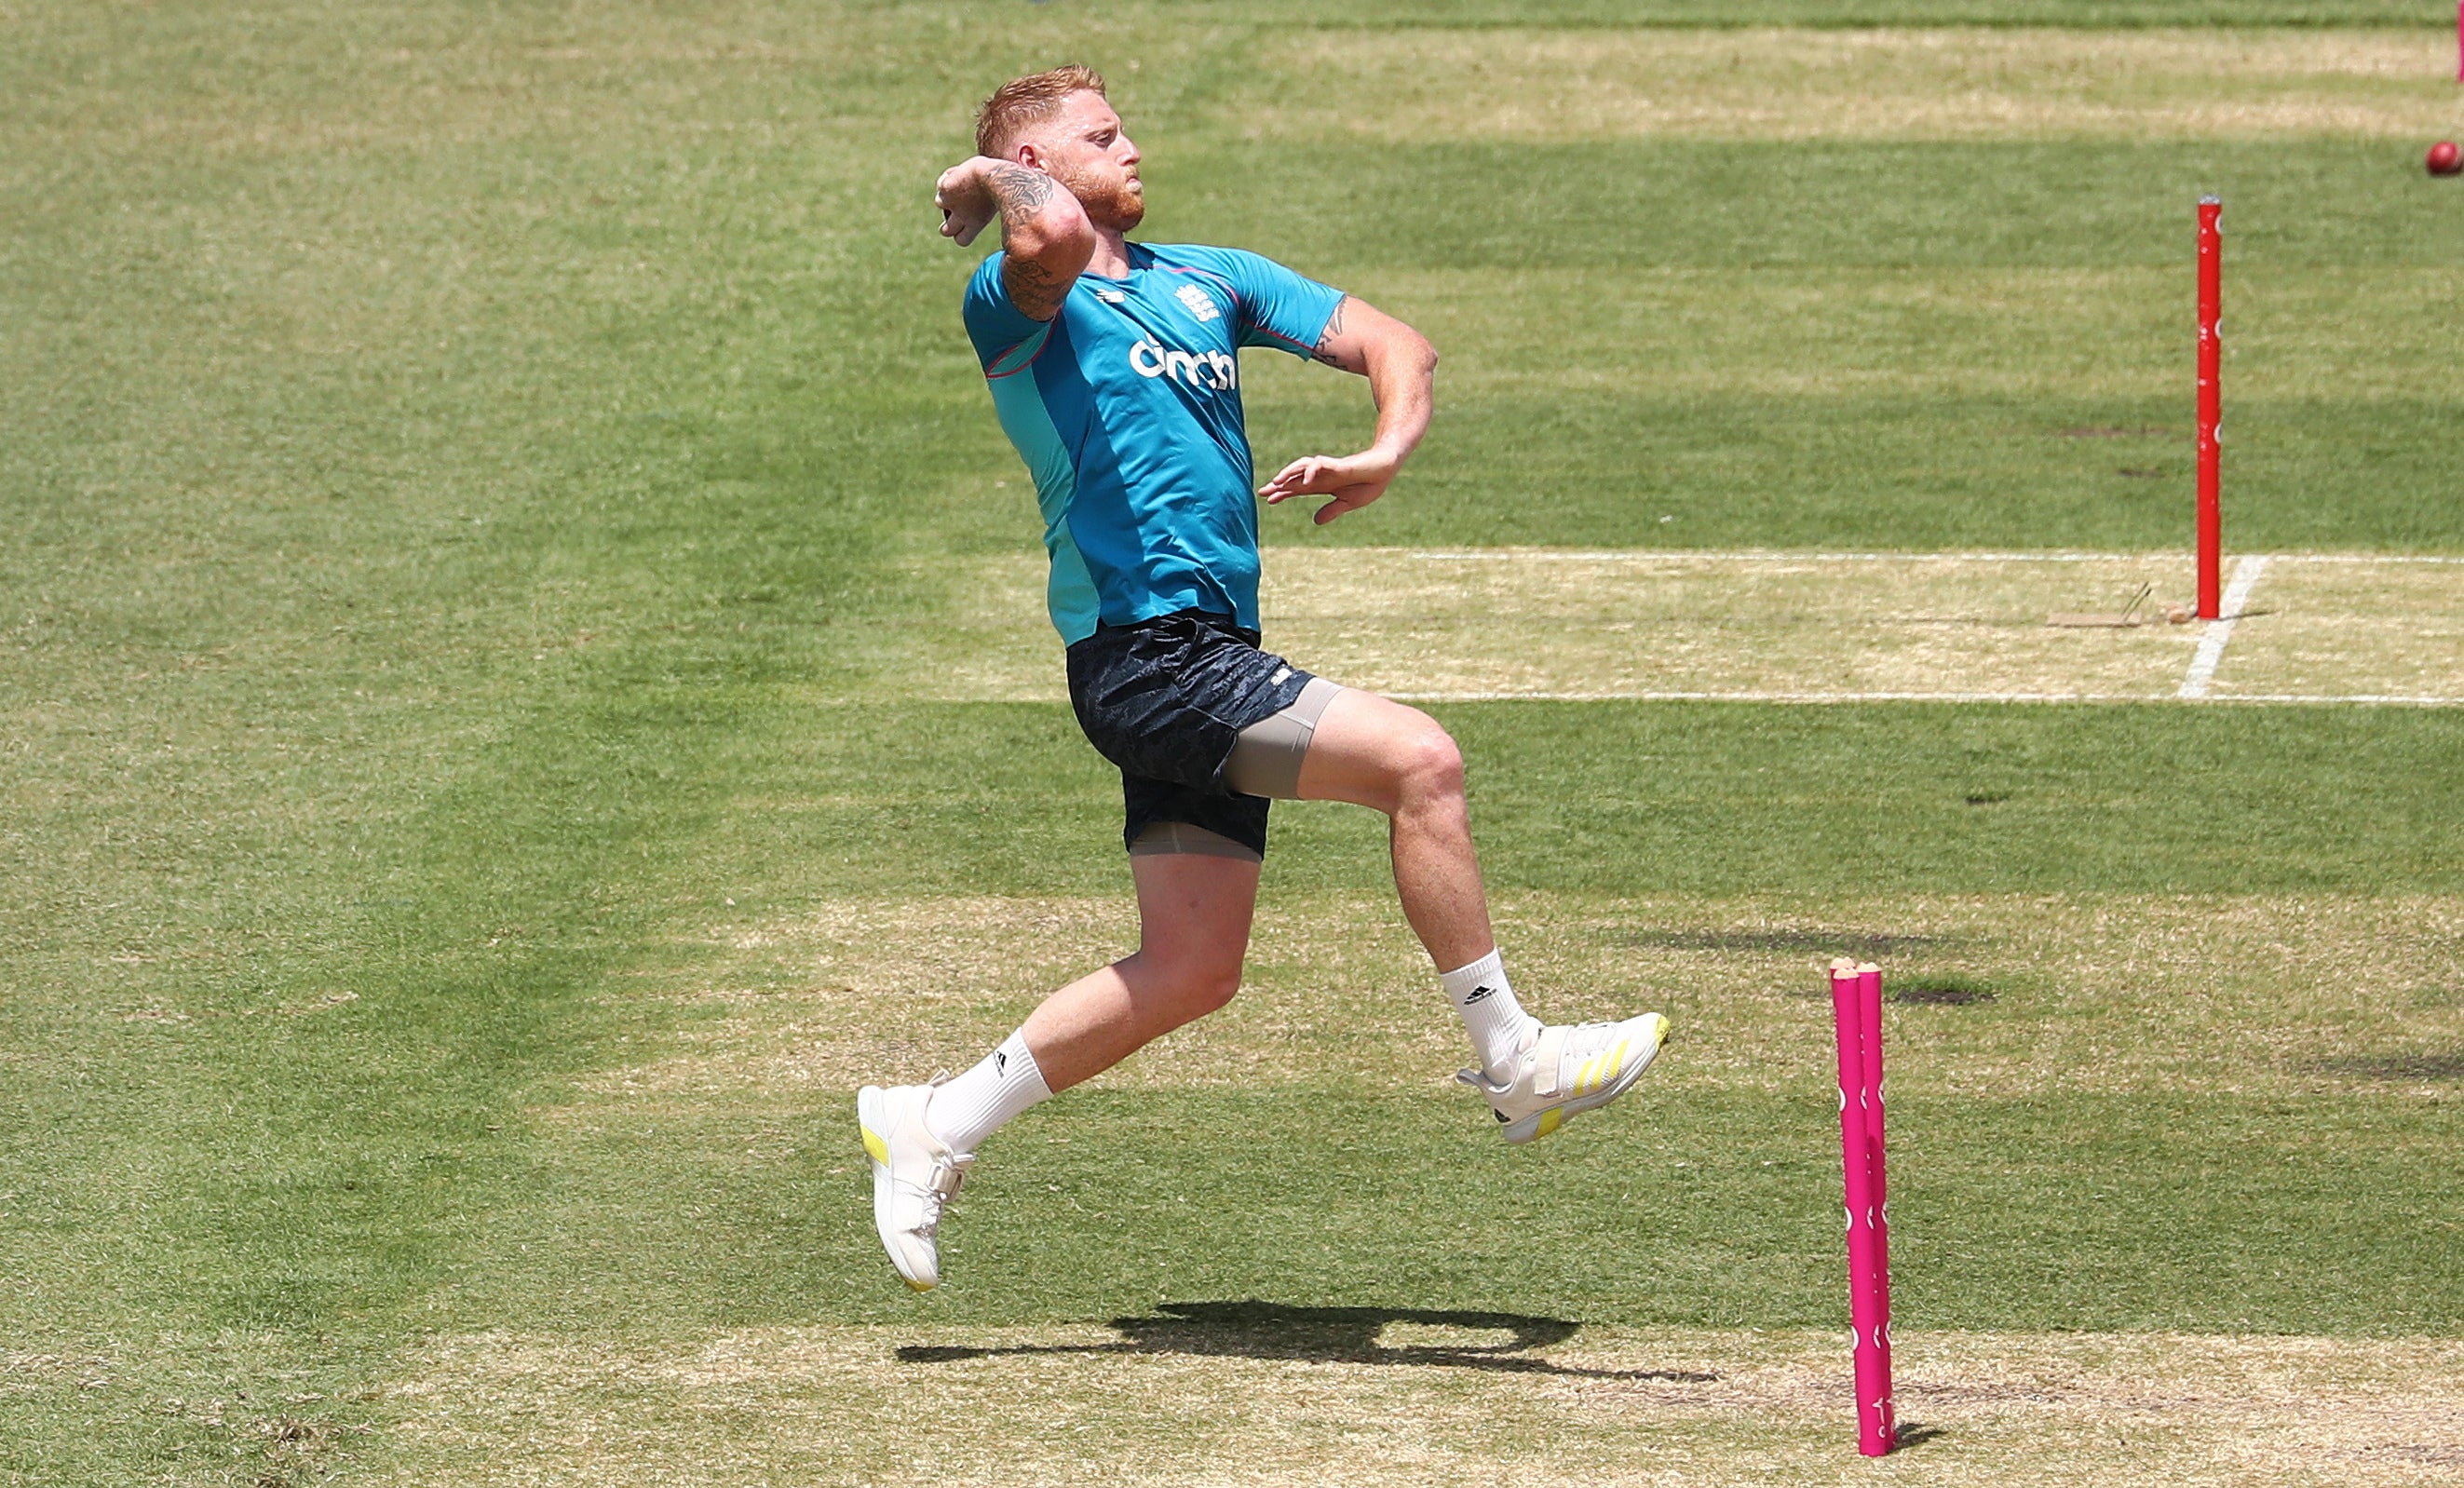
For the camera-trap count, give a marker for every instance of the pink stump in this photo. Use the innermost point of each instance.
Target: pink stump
(1869, 1018)
(2211, 410)
(1860, 1117)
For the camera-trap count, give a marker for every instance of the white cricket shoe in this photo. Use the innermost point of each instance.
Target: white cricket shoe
(1571, 1068)
(913, 1174)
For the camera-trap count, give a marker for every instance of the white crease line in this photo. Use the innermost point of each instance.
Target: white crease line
(2211, 645)
(2383, 699)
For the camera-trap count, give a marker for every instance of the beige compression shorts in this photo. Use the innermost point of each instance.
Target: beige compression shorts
(1265, 762)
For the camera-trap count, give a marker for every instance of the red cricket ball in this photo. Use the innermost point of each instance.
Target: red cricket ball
(2445, 159)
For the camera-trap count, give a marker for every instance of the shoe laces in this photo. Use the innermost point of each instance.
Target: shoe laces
(1585, 1040)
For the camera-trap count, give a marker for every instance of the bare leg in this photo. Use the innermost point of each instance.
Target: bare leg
(1380, 753)
(1194, 914)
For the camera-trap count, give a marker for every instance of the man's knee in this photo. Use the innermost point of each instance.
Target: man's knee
(1196, 978)
(1428, 764)
(1199, 984)
(1213, 989)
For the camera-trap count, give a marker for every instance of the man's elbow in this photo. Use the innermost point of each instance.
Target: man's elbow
(1057, 226)
(1064, 241)
(1413, 349)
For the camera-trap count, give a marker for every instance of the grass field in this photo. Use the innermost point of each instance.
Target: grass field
(523, 685)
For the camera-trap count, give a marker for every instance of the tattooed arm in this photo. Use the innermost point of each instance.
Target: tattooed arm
(1045, 231)
(1401, 369)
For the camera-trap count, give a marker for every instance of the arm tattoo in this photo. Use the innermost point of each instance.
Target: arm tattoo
(1033, 288)
(1325, 350)
(1020, 193)
(1033, 275)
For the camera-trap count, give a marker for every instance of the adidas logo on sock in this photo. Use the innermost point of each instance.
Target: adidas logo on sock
(1478, 994)
(1000, 1061)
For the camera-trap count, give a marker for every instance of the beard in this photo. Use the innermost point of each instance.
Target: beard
(1116, 204)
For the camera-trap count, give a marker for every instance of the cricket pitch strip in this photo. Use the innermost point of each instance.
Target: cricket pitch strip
(1482, 624)
(1245, 1391)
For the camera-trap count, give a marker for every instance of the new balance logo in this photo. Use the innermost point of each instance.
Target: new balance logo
(1479, 995)
(1213, 369)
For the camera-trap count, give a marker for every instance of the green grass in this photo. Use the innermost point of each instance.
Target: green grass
(2086, 1213)
(1950, 386)
(1622, 798)
(447, 445)
(1816, 13)
(2093, 1214)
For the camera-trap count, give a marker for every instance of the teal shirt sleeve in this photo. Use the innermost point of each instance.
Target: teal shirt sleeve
(1279, 308)
(996, 326)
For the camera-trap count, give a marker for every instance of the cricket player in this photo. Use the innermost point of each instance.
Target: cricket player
(1114, 368)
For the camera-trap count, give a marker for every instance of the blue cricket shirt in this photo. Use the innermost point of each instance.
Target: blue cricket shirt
(1126, 406)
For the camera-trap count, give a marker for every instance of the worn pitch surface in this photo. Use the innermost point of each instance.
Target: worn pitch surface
(1245, 1393)
(1465, 623)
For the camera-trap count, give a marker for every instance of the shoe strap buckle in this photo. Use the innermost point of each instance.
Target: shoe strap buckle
(949, 1173)
(1546, 1060)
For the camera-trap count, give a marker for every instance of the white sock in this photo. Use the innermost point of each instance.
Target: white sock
(1499, 1027)
(973, 1107)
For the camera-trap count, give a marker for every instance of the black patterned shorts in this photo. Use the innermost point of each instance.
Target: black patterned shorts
(1165, 699)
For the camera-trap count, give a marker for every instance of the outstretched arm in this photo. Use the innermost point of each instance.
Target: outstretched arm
(1401, 366)
(1045, 232)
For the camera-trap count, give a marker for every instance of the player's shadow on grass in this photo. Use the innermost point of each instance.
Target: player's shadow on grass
(1330, 1335)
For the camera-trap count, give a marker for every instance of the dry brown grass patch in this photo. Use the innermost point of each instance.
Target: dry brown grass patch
(2392, 630)
(1537, 622)
(2031, 994)
(1139, 1403)
(1553, 85)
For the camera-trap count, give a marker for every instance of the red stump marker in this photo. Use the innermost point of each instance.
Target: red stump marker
(2211, 410)
(1856, 1010)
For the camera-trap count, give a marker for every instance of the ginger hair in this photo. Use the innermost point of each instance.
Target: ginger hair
(1023, 102)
